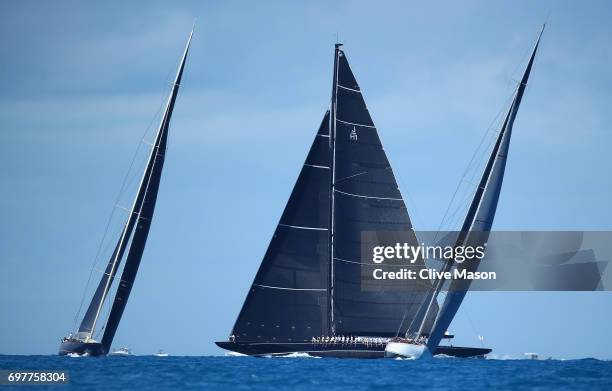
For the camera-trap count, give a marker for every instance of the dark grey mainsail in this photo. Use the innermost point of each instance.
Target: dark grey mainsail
(309, 282)
(133, 237)
(366, 197)
(480, 215)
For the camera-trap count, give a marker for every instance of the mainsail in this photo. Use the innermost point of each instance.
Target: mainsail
(309, 282)
(480, 215)
(365, 197)
(135, 231)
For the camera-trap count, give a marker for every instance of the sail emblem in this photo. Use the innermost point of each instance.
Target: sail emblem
(353, 136)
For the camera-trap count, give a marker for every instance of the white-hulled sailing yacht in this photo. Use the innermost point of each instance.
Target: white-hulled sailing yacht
(474, 232)
(133, 239)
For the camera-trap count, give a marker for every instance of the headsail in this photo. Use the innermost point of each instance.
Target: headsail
(480, 215)
(366, 197)
(87, 324)
(288, 298)
(134, 233)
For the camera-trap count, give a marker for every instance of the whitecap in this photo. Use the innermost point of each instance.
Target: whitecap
(297, 355)
(72, 354)
(235, 354)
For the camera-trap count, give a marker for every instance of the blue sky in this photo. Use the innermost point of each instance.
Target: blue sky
(82, 81)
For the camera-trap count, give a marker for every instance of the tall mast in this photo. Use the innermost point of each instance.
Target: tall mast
(332, 184)
(475, 214)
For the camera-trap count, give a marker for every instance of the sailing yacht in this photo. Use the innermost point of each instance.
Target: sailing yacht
(135, 232)
(474, 232)
(307, 295)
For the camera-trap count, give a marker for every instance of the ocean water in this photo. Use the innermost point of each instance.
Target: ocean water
(304, 373)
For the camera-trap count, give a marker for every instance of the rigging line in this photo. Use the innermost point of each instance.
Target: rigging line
(456, 217)
(469, 318)
(103, 272)
(402, 323)
(399, 329)
(109, 243)
(135, 176)
(108, 304)
(472, 159)
(446, 217)
(471, 182)
(526, 54)
(471, 187)
(108, 223)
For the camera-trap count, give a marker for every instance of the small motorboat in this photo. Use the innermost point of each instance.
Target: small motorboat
(121, 352)
(161, 353)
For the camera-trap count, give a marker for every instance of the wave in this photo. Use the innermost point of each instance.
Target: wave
(78, 355)
(235, 354)
(293, 355)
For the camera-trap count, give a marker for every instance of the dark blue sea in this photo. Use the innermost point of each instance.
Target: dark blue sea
(247, 373)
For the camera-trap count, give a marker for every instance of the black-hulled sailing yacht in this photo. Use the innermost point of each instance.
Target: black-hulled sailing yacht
(133, 238)
(474, 232)
(306, 295)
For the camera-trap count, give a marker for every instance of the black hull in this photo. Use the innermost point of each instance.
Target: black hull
(354, 350)
(82, 348)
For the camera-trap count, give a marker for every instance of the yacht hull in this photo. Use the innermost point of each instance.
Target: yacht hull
(81, 348)
(405, 350)
(353, 350)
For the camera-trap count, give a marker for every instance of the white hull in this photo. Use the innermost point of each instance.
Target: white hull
(405, 350)
(121, 352)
